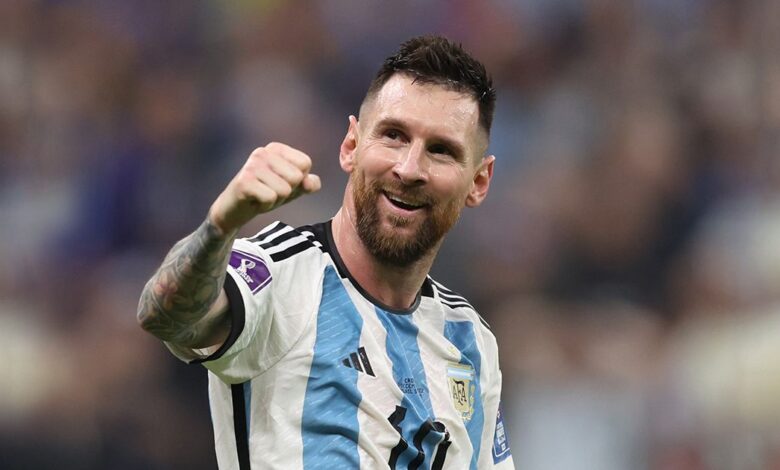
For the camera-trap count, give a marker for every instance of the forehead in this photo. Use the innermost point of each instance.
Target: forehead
(428, 107)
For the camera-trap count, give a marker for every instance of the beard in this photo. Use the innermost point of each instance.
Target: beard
(390, 246)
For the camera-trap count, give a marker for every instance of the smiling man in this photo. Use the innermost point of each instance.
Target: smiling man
(328, 345)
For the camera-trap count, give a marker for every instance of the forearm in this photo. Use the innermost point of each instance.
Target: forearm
(175, 302)
(178, 302)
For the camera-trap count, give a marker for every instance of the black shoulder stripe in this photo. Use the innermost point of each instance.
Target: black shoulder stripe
(427, 288)
(452, 297)
(454, 300)
(442, 288)
(267, 232)
(293, 250)
(313, 238)
(448, 294)
(319, 231)
(457, 304)
(306, 232)
(289, 235)
(470, 307)
(483, 322)
(296, 239)
(280, 239)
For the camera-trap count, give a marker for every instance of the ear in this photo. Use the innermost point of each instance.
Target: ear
(481, 182)
(348, 146)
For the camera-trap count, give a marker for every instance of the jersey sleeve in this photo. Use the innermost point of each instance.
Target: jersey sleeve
(494, 435)
(270, 305)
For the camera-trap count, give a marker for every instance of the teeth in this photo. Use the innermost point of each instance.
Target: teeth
(408, 203)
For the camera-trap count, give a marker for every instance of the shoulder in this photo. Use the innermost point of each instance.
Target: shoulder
(465, 327)
(457, 305)
(279, 241)
(291, 257)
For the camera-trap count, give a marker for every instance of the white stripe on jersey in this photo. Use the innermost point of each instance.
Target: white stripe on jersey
(297, 240)
(373, 416)
(267, 229)
(310, 236)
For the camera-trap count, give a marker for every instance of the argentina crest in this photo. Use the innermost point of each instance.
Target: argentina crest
(462, 388)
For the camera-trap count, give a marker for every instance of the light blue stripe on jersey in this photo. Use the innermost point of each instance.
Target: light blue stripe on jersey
(409, 374)
(461, 334)
(329, 424)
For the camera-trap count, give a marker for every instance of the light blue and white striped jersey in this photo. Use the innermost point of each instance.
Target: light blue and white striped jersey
(317, 374)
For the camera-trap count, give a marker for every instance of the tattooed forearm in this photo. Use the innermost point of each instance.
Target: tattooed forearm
(178, 296)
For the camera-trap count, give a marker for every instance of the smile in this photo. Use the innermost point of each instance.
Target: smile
(403, 203)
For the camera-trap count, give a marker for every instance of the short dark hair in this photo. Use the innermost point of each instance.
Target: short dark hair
(439, 61)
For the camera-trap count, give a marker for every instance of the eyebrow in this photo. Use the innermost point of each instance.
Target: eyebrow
(456, 146)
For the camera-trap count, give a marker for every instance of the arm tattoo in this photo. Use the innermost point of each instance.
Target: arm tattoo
(181, 292)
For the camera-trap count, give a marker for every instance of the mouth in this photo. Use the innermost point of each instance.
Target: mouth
(405, 203)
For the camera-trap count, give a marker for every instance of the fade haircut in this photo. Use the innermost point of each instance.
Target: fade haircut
(438, 61)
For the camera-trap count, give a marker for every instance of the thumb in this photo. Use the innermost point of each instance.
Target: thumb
(311, 183)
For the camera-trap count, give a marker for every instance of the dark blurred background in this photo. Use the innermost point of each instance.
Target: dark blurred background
(628, 257)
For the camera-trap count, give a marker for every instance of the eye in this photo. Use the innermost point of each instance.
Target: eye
(440, 149)
(393, 134)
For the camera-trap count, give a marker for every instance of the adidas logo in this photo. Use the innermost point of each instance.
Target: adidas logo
(359, 360)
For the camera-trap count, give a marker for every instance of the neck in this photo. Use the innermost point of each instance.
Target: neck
(394, 286)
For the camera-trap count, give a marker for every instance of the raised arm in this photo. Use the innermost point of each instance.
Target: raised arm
(183, 302)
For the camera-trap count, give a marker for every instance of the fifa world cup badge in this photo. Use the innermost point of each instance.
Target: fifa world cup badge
(462, 389)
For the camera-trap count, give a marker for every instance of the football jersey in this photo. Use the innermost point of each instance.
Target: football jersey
(317, 374)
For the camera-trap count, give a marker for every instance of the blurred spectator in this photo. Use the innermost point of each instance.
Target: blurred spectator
(627, 256)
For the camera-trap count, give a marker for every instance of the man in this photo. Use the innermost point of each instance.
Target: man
(328, 346)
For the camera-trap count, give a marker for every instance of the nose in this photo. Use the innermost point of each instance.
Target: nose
(412, 168)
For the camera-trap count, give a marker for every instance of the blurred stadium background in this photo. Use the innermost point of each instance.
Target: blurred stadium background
(628, 257)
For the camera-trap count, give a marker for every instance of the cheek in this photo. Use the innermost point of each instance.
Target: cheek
(452, 181)
(378, 158)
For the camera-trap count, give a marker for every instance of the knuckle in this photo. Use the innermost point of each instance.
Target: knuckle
(257, 156)
(296, 176)
(272, 198)
(285, 191)
(258, 152)
(306, 162)
(242, 188)
(257, 163)
(275, 146)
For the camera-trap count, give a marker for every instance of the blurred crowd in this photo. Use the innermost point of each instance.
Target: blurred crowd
(627, 258)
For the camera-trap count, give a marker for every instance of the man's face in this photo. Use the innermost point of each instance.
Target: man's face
(414, 162)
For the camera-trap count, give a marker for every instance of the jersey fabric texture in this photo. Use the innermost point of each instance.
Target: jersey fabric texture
(317, 374)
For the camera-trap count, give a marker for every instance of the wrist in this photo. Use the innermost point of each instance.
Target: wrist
(217, 230)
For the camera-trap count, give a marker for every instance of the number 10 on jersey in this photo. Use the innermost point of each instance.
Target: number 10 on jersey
(402, 451)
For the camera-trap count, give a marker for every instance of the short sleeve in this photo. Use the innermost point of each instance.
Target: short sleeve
(270, 305)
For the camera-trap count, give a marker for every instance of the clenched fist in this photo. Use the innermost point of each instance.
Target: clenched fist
(272, 175)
